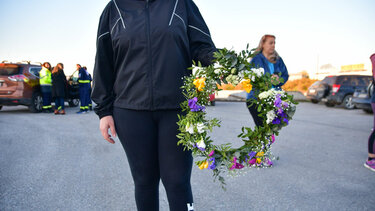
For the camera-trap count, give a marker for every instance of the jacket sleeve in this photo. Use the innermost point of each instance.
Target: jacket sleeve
(201, 45)
(104, 73)
(284, 72)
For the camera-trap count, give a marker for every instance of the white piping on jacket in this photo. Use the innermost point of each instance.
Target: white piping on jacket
(199, 30)
(181, 19)
(118, 10)
(115, 25)
(174, 10)
(103, 35)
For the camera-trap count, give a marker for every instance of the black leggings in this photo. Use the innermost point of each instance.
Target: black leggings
(150, 143)
(254, 113)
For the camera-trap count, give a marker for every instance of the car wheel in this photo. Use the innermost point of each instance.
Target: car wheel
(212, 103)
(368, 111)
(329, 104)
(73, 102)
(315, 101)
(348, 102)
(1, 107)
(36, 103)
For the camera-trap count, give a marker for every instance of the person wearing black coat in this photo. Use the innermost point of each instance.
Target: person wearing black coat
(59, 85)
(144, 49)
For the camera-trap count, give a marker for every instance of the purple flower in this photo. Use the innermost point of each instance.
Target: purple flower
(212, 153)
(212, 163)
(236, 165)
(286, 121)
(252, 154)
(273, 138)
(194, 107)
(279, 111)
(252, 161)
(269, 162)
(285, 105)
(276, 121)
(278, 101)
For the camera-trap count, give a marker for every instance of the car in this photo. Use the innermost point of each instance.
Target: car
(19, 85)
(341, 89)
(362, 98)
(317, 91)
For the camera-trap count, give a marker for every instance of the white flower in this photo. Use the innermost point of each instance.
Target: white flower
(260, 72)
(263, 95)
(252, 78)
(200, 127)
(217, 71)
(197, 70)
(201, 144)
(189, 128)
(270, 116)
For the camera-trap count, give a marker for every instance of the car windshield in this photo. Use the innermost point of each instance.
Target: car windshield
(9, 69)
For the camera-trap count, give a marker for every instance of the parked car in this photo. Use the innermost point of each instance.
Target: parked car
(317, 91)
(19, 85)
(362, 98)
(341, 88)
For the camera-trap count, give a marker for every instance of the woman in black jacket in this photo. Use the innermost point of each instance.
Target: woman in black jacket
(143, 51)
(59, 84)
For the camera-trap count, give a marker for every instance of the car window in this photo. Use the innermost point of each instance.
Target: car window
(35, 71)
(329, 80)
(9, 69)
(345, 80)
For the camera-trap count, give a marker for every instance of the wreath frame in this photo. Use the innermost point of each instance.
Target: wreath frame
(276, 108)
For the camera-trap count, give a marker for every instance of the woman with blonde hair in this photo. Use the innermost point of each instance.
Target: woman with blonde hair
(267, 58)
(59, 84)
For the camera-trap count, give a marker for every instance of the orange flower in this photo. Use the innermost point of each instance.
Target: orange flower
(199, 83)
(204, 165)
(246, 84)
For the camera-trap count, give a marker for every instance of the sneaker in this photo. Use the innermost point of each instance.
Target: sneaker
(56, 112)
(62, 112)
(370, 164)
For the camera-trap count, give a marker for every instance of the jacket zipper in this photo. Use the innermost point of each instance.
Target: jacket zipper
(149, 51)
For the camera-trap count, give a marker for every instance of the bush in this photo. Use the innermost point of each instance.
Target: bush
(298, 85)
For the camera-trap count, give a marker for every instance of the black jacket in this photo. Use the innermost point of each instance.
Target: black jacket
(143, 51)
(59, 84)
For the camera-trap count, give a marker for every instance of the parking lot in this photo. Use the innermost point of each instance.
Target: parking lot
(50, 162)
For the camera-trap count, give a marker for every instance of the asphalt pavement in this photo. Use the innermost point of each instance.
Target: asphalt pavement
(50, 162)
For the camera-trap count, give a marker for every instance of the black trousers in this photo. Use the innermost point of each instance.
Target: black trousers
(254, 113)
(150, 143)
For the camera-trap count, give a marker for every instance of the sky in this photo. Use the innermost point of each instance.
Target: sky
(309, 33)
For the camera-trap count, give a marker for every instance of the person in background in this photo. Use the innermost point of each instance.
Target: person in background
(267, 58)
(370, 163)
(45, 82)
(89, 93)
(84, 89)
(144, 49)
(59, 86)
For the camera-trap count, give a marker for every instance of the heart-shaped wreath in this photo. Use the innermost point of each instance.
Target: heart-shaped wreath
(276, 108)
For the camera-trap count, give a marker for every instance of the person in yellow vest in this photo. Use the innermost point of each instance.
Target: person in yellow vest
(45, 81)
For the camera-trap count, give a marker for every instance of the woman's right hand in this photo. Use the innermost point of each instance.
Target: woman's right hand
(105, 124)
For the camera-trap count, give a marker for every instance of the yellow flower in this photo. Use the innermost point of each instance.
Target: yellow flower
(246, 84)
(259, 160)
(204, 165)
(260, 154)
(199, 83)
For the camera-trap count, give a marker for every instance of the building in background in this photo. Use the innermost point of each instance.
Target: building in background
(351, 69)
(297, 76)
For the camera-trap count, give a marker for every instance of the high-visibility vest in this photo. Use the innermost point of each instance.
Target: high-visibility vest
(45, 77)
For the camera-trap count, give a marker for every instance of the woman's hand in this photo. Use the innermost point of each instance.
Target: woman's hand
(105, 124)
